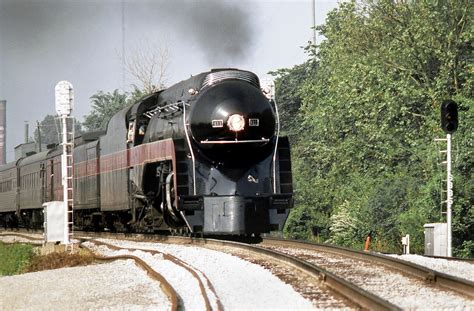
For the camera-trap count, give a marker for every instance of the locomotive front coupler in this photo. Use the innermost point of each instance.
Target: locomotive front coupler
(235, 215)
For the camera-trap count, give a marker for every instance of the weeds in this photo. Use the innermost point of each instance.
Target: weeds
(14, 258)
(59, 260)
(21, 258)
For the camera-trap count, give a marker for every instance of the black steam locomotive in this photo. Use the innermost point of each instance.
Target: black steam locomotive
(204, 155)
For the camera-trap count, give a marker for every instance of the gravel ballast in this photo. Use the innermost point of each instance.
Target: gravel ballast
(460, 269)
(117, 285)
(406, 292)
(239, 285)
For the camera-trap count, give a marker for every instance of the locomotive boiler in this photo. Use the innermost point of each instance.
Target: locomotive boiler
(203, 155)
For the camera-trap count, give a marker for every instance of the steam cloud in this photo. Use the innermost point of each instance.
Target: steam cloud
(44, 41)
(221, 29)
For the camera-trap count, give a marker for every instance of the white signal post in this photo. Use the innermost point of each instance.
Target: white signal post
(64, 95)
(449, 193)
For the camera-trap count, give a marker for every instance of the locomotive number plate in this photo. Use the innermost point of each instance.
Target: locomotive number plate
(217, 123)
(254, 122)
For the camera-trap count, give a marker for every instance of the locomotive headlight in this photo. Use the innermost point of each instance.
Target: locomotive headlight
(236, 122)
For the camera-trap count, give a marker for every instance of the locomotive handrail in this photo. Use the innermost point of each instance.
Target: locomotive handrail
(190, 146)
(269, 92)
(167, 108)
(235, 141)
(276, 144)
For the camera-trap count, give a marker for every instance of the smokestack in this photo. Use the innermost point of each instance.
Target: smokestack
(3, 134)
(26, 131)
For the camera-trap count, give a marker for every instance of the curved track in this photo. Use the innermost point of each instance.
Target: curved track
(452, 283)
(196, 274)
(303, 256)
(165, 286)
(404, 284)
(30, 238)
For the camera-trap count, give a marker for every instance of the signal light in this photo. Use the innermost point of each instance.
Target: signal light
(449, 116)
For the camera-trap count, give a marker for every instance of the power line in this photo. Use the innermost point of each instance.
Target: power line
(314, 22)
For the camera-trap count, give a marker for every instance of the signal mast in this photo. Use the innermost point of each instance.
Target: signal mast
(449, 124)
(64, 95)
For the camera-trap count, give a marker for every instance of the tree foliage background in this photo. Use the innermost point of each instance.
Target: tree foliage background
(50, 129)
(106, 104)
(148, 65)
(362, 114)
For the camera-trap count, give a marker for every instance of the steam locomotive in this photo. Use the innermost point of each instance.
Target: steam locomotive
(204, 156)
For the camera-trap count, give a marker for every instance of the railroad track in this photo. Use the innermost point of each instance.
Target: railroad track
(357, 269)
(312, 278)
(304, 258)
(20, 237)
(369, 270)
(165, 286)
(206, 289)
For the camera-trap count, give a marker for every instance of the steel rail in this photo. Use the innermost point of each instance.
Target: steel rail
(440, 279)
(468, 260)
(353, 293)
(165, 286)
(456, 284)
(178, 262)
(21, 236)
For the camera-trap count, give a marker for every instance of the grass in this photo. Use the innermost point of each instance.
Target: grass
(21, 258)
(14, 258)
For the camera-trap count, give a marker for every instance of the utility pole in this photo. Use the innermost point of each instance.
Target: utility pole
(122, 6)
(314, 22)
(39, 135)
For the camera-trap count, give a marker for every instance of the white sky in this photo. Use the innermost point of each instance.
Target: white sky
(45, 41)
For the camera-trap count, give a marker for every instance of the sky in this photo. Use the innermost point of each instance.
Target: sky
(87, 43)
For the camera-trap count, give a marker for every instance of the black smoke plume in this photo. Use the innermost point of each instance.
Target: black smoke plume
(222, 30)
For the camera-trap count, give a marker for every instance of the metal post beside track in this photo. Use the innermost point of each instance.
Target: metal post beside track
(449, 193)
(64, 105)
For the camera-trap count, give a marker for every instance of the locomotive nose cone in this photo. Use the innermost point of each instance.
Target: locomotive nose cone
(236, 123)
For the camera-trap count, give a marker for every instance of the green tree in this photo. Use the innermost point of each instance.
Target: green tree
(288, 84)
(369, 114)
(104, 106)
(50, 129)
